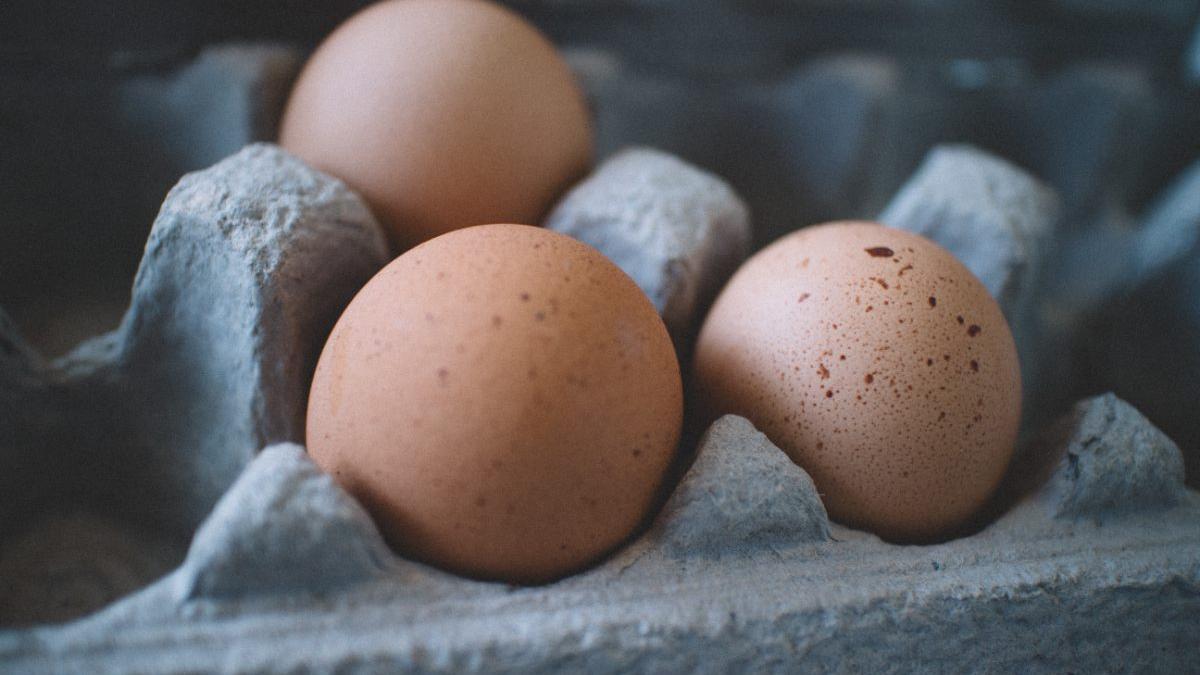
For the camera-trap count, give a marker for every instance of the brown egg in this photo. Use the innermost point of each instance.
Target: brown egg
(879, 364)
(442, 114)
(503, 399)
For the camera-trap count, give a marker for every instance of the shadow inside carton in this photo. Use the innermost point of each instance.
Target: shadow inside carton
(64, 566)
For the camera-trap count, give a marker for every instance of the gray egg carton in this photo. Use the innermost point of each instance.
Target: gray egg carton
(156, 514)
(249, 263)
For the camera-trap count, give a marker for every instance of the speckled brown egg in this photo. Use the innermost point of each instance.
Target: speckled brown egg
(879, 363)
(504, 401)
(442, 114)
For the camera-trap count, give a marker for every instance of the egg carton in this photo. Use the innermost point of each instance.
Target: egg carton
(114, 456)
(1093, 562)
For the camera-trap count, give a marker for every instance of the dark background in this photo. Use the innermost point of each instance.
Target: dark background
(764, 33)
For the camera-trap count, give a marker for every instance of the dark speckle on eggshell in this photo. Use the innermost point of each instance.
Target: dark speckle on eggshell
(514, 394)
(858, 447)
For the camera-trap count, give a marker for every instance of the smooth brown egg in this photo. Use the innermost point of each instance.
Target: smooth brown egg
(442, 114)
(880, 364)
(503, 399)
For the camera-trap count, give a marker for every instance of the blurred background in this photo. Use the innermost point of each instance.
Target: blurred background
(813, 109)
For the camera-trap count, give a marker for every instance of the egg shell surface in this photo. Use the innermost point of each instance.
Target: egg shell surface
(442, 114)
(504, 401)
(879, 363)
